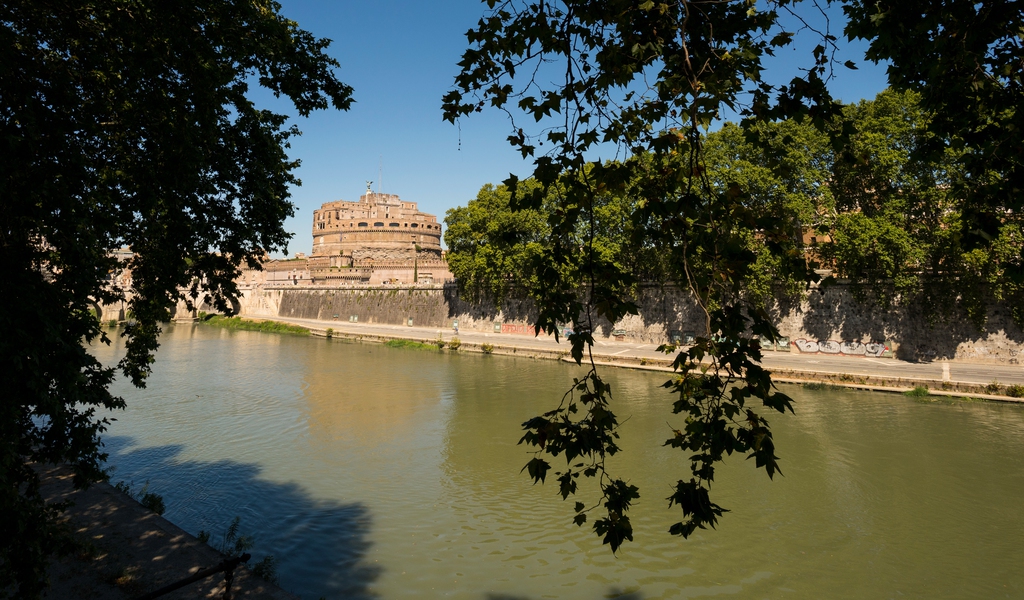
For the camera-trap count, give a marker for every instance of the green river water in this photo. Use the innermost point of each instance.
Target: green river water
(372, 472)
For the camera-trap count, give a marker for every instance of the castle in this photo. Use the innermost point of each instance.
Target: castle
(378, 240)
(377, 228)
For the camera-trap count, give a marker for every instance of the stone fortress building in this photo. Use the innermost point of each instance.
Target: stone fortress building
(377, 228)
(378, 240)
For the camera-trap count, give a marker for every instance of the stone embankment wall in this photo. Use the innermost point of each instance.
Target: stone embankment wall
(385, 304)
(916, 331)
(828, 322)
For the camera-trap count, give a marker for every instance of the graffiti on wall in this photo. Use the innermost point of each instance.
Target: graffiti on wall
(874, 349)
(516, 328)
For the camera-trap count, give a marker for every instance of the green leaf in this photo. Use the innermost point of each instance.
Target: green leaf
(537, 468)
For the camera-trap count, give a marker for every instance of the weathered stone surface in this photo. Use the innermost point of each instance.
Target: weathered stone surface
(383, 254)
(376, 222)
(368, 305)
(829, 322)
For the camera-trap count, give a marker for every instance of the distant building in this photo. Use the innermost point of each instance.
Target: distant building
(378, 240)
(378, 228)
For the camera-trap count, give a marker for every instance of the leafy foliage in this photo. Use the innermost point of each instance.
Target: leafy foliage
(648, 77)
(491, 246)
(964, 61)
(126, 123)
(726, 212)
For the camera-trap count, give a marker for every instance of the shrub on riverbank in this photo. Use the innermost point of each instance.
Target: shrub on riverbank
(233, 543)
(918, 391)
(400, 343)
(244, 324)
(148, 499)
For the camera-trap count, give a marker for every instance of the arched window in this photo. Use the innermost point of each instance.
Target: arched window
(378, 224)
(362, 225)
(414, 225)
(392, 224)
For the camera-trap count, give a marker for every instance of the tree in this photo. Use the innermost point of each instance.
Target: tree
(966, 62)
(494, 250)
(784, 169)
(893, 204)
(126, 123)
(645, 79)
(491, 247)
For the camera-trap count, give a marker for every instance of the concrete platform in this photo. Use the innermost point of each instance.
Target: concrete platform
(133, 551)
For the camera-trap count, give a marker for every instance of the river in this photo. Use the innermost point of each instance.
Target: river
(372, 472)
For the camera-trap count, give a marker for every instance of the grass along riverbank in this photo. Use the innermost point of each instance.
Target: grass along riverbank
(404, 343)
(250, 325)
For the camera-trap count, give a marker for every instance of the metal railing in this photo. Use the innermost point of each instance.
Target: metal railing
(227, 566)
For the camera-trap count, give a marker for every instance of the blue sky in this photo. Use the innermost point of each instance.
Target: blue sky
(401, 57)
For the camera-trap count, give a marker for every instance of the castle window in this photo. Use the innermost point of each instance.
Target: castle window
(362, 224)
(392, 224)
(414, 225)
(378, 224)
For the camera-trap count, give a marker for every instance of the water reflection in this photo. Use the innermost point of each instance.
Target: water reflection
(368, 394)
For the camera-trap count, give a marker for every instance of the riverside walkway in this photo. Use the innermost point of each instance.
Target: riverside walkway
(129, 551)
(966, 376)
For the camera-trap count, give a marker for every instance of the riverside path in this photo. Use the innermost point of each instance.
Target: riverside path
(951, 371)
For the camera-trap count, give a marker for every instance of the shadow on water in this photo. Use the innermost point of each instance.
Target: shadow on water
(319, 545)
